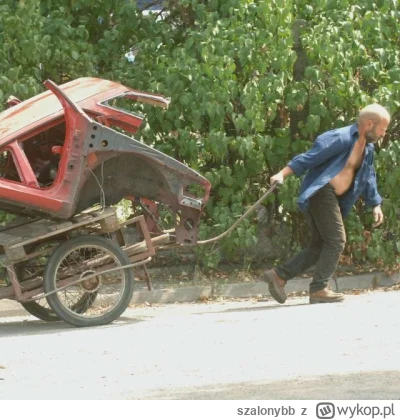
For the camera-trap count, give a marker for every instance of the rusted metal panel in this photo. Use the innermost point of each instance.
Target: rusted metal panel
(65, 157)
(87, 92)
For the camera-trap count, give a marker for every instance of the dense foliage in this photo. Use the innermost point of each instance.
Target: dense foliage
(252, 83)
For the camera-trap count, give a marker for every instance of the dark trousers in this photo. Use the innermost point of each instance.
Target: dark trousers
(328, 239)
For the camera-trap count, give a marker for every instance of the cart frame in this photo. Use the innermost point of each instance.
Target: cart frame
(16, 244)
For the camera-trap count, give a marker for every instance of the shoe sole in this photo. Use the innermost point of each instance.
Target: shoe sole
(274, 288)
(322, 300)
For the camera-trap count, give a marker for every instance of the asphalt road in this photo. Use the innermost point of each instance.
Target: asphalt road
(232, 350)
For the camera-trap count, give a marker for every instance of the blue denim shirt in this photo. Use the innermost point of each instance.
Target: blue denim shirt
(326, 159)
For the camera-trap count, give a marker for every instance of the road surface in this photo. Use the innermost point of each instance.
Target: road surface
(228, 350)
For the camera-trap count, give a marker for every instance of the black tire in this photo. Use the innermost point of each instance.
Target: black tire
(47, 314)
(70, 314)
(41, 312)
(27, 270)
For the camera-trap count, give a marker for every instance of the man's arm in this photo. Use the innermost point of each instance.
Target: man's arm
(325, 146)
(373, 199)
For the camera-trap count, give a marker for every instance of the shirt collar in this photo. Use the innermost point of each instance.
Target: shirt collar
(354, 135)
(354, 131)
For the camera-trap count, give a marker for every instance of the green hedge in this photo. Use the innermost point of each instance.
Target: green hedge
(252, 83)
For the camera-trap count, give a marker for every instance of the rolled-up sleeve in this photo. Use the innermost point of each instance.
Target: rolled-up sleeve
(370, 193)
(325, 146)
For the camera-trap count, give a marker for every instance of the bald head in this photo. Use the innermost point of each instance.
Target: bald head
(372, 122)
(374, 112)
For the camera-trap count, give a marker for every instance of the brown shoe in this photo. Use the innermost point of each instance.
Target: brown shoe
(326, 296)
(276, 285)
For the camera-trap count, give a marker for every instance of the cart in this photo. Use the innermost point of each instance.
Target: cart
(67, 156)
(80, 270)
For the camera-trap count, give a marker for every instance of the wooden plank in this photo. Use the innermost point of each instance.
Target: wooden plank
(142, 246)
(19, 221)
(31, 231)
(43, 229)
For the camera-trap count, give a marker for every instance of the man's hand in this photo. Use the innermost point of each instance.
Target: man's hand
(280, 176)
(378, 216)
(277, 179)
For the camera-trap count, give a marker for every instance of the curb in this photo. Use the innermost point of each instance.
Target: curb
(366, 281)
(254, 289)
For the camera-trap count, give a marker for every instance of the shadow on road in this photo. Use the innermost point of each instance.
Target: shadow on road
(374, 385)
(36, 327)
(256, 308)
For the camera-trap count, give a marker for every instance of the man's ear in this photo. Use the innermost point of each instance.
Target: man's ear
(369, 125)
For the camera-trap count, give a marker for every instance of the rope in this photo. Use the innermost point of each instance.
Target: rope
(251, 209)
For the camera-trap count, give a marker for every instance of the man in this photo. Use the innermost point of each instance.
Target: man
(340, 169)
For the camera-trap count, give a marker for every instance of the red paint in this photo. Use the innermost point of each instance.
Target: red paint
(50, 153)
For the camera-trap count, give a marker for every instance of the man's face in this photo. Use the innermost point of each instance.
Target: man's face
(376, 131)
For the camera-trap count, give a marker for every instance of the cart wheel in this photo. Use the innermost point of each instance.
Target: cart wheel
(43, 312)
(40, 308)
(83, 257)
(33, 269)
